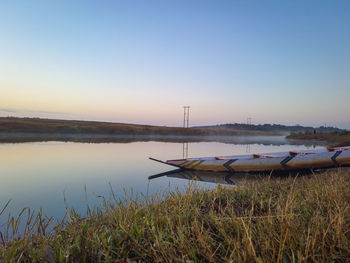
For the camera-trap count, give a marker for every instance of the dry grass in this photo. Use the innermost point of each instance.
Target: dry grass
(333, 138)
(50, 126)
(303, 219)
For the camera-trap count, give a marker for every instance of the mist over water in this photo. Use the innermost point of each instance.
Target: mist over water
(14, 137)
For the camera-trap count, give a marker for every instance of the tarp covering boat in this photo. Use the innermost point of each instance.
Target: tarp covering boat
(283, 161)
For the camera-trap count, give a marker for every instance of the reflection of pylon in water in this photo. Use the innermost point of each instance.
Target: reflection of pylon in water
(247, 148)
(185, 150)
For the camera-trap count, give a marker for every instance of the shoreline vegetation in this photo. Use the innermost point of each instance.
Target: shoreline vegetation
(331, 138)
(17, 130)
(272, 127)
(14, 129)
(273, 219)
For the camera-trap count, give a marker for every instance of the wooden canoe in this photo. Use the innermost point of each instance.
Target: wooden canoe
(283, 161)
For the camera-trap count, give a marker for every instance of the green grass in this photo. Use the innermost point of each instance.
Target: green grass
(333, 138)
(302, 219)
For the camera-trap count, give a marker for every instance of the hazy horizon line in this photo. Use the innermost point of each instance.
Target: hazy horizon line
(74, 117)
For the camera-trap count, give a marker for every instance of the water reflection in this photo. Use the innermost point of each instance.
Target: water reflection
(203, 176)
(39, 174)
(225, 177)
(185, 150)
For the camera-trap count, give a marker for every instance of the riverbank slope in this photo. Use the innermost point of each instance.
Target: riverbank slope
(35, 129)
(274, 219)
(53, 126)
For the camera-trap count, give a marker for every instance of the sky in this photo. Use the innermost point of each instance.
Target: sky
(139, 61)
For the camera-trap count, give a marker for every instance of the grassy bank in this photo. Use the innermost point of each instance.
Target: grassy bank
(51, 126)
(332, 138)
(105, 138)
(303, 219)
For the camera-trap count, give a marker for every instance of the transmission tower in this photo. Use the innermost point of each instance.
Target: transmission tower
(249, 121)
(186, 116)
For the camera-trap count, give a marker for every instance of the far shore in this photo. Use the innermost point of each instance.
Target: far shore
(17, 130)
(35, 129)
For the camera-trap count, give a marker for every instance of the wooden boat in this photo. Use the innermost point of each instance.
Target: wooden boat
(283, 161)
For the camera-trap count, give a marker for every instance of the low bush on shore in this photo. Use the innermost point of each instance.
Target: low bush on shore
(333, 138)
(293, 219)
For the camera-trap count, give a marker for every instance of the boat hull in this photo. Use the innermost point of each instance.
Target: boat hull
(316, 159)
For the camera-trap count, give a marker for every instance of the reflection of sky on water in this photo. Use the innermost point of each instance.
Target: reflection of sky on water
(38, 174)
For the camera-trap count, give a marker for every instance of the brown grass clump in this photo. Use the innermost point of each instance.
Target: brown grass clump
(302, 219)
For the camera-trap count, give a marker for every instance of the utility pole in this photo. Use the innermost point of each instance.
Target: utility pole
(186, 125)
(186, 116)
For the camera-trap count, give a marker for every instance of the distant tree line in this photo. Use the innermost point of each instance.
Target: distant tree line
(272, 127)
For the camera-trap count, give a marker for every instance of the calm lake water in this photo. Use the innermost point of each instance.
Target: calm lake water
(39, 175)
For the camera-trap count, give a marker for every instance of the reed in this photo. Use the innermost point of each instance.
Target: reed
(290, 219)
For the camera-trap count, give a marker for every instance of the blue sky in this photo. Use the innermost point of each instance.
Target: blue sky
(141, 61)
